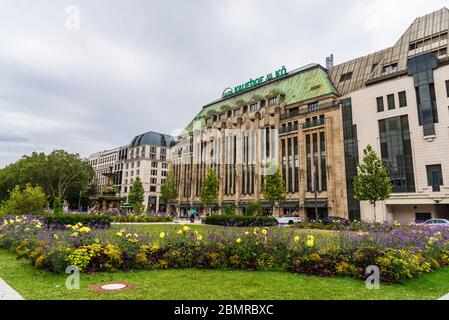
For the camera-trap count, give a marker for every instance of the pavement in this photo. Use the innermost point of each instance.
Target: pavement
(8, 293)
(446, 297)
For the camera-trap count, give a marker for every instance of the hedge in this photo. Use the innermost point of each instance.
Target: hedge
(141, 218)
(100, 221)
(241, 221)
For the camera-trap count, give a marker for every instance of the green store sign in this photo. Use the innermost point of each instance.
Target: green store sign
(254, 82)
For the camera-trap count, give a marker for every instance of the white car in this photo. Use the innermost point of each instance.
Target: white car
(437, 222)
(288, 220)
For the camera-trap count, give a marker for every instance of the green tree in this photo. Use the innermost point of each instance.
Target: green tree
(273, 188)
(372, 182)
(136, 196)
(169, 190)
(59, 173)
(29, 201)
(209, 189)
(254, 209)
(229, 210)
(58, 206)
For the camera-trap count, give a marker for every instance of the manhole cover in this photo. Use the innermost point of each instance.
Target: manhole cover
(111, 287)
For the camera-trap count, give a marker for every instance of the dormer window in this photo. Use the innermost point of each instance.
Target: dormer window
(390, 68)
(272, 101)
(209, 121)
(254, 107)
(222, 116)
(237, 112)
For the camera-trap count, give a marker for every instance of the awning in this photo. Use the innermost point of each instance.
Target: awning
(320, 203)
(289, 204)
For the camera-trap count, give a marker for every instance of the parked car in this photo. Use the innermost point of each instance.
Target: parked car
(331, 219)
(437, 222)
(288, 220)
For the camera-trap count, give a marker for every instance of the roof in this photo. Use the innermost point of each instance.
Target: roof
(370, 67)
(154, 139)
(305, 83)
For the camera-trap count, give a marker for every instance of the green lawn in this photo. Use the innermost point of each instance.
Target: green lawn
(213, 284)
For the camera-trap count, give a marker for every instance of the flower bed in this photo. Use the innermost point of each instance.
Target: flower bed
(141, 218)
(403, 253)
(348, 225)
(97, 221)
(241, 221)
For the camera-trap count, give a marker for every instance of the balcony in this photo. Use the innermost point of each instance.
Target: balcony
(287, 129)
(304, 110)
(313, 123)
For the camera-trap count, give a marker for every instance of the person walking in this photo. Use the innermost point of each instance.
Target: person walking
(192, 215)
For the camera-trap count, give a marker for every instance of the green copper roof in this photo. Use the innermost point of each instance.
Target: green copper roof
(299, 85)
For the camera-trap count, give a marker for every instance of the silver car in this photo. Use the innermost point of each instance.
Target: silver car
(288, 220)
(437, 222)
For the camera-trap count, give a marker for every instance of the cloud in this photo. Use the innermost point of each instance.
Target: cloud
(141, 65)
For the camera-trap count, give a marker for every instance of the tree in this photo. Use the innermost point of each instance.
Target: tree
(372, 182)
(29, 201)
(59, 173)
(58, 206)
(273, 188)
(254, 209)
(136, 196)
(169, 190)
(209, 189)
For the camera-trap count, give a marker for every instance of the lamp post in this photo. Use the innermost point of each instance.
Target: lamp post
(316, 193)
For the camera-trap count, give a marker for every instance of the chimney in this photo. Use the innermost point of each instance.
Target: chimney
(330, 61)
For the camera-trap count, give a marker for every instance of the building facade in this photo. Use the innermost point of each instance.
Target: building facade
(148, 158)
(400, 99)
(314, 123)
(292, 123)
(107, 161)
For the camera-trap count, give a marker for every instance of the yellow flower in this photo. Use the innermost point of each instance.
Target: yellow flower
(238, 240)
(264, 232)
(310, 241)
(186, 228)
(119, 234)
(55, 236)
(296, 239)
(85, 229)
(179, 232)
(69, 226)
(199, 237)
(246, 233)
(74, 235)
(128, 235)
(162, 235)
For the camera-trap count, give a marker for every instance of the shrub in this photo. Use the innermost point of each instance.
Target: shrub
(254, 209)
(99, 221)
(58, 206)
(229, 210)
(29, 201)
(241, 221)
(123, 218)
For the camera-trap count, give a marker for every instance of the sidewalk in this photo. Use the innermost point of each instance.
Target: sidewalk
(8, 293)
(446, 297)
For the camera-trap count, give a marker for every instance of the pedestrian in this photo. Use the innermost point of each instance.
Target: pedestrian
(192, 216)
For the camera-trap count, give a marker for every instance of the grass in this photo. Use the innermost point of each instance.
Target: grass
(213, 284)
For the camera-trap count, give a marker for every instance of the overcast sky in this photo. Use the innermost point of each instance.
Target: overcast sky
(135, 66)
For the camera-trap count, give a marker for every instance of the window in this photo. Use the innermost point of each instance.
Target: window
(125, 189)
(390, 68)
(154, 164)
(152, 188)
(137, 172)
(237, 112)
(153, 180)
(434, 177)
(209, 121)
(254, 106)
(222, 116)
(421, 217)
(154, 172)
(390, 101)
(272, 101)
(396, 153)
(312, 106)
(402, 99)
(346, 76)
(138, 164)
(447, 88)
(380, 104)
